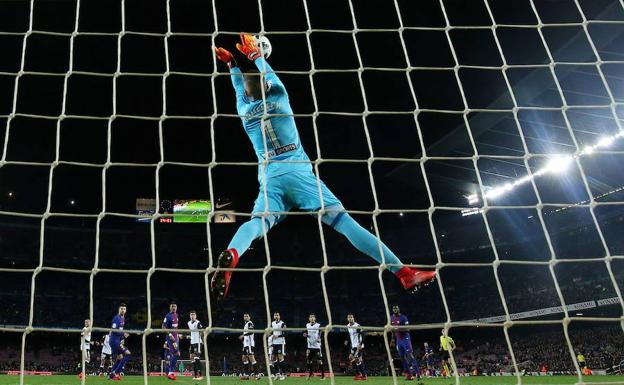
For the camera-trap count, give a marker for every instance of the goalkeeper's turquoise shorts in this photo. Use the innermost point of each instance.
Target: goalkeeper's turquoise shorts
(295, 190)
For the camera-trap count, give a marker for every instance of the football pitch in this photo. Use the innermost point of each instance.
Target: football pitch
(478, 380)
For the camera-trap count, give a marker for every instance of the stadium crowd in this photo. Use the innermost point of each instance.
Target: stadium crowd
(67, 247)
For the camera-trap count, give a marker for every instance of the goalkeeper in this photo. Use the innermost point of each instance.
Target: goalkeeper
(287, 175)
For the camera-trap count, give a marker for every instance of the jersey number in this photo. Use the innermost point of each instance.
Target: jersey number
(271, 136)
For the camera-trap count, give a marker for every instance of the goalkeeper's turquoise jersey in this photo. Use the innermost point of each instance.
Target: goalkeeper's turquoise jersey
(283, 147)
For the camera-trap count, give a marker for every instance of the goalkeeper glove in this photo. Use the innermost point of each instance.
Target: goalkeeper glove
(226, 56)
(248, 47)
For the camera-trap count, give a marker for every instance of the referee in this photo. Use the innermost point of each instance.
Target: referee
(447, 345)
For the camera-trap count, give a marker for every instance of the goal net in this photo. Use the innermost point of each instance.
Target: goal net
(184, 367)
(481, 139)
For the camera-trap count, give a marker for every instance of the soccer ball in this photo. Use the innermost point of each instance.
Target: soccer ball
(264, 45)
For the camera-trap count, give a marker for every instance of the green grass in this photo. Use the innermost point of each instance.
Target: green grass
(138, 380)
(195, 211)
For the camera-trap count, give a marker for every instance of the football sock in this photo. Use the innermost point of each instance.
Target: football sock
(364, 241)
(173, 360)
(123, 361)
(246, 233)
(197, 366)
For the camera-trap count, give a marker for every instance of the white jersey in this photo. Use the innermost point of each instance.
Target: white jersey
(355, 335)
(86, 339)
(106, 348)
(278, 334)
(195, 327)
(314, 335)
(248, 335)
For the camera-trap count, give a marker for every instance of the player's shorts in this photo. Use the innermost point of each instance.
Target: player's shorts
(279, 349)
(248, 350)
(195, 349)
(296, 190)
(117, 347)
(355, 353)
(445, 355)
(314, 354)
(104, 355)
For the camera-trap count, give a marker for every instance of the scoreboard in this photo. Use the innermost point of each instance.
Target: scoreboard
(183, 210)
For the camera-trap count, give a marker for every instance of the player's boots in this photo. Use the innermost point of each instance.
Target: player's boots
(220, 282)
(414, 279)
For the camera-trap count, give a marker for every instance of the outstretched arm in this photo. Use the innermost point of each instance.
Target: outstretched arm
(269, 75)
(235, 73)
(249, 48)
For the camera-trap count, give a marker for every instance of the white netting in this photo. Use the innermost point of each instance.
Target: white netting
(484, 194)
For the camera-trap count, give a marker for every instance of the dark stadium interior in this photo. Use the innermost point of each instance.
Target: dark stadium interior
(81, 162)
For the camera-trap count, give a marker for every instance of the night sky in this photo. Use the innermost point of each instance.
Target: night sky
(200, 139)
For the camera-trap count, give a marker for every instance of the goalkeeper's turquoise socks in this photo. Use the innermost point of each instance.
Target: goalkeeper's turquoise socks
(359, 237)
(246, 234)
(364, 241)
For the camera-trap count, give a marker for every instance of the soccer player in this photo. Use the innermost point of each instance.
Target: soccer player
(195, 350)
(356, 342)
(279, 346)
(105, 355)
(428, 358)
(446, 347)
(117, 338)
(285, 173)
(248, 356)
(85, 346)
(580, 358)
(403, 342)
(172, 340)
(314, 354)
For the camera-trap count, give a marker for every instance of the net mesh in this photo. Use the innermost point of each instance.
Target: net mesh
(486, 196)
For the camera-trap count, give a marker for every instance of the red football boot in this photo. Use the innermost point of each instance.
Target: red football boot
(172, 376)
(414, 279)
(220, 282)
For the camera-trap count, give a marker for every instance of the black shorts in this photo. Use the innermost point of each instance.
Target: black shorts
(445, 355)
(195, 349)
(355, 353)
(314, 354)
(279, 348)
(248, 350)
